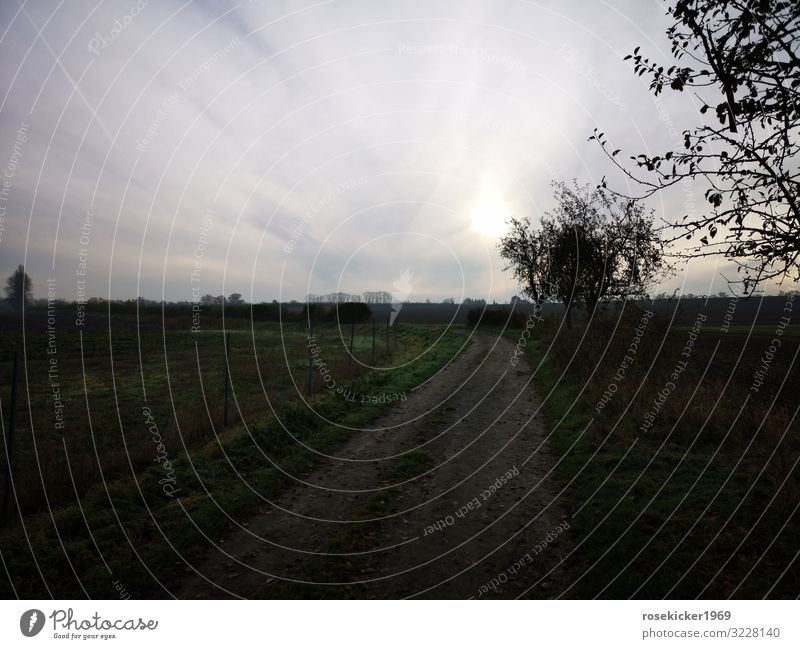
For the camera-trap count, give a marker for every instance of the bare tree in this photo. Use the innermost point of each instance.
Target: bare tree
(744, 56)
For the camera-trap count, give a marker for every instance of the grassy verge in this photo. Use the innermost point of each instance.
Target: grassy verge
(701, 504)
(128, 533)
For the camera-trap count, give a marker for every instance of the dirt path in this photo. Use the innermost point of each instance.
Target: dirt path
(481, 521)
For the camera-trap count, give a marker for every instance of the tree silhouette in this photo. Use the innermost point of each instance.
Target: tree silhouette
(526, 252)
(350, 312)
(744, 56)
(592, 246)
(19, 288)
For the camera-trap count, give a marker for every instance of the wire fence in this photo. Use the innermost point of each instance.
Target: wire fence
(87, 407)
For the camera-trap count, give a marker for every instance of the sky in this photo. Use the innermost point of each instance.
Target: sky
(276, 149)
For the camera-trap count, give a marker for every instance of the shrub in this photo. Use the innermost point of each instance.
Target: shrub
(496, 318)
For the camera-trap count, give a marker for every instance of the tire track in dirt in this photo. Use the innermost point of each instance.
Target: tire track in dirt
(471, 502)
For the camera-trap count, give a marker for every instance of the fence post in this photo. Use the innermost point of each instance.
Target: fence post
(227, 375)
(8, 482)
(374, 325)
(388, 329)
(309, 344)
(352, 336)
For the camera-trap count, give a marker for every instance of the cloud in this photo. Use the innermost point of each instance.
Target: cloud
(150, 114)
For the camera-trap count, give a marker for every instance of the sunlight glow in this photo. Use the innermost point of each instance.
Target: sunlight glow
(490, 217)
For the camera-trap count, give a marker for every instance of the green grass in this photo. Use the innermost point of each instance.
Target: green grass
(412, 464)
(106, 379)
(661, 513)
(130, 525)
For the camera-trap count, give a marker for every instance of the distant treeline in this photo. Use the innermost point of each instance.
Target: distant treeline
(132, 313)
(129, 314)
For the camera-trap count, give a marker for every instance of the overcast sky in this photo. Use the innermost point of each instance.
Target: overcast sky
(280, 148)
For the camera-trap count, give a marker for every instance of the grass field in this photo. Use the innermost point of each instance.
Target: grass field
(703, 502)
(143, 472)
(677, 446)
(94, 404)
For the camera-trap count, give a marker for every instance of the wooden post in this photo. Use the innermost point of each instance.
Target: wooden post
(310, 364)
(227, 374)
(8, 485)
(388, 329)
(352, 337)
(374, 325)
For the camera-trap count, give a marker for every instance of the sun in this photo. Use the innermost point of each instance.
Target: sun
(490, 217)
